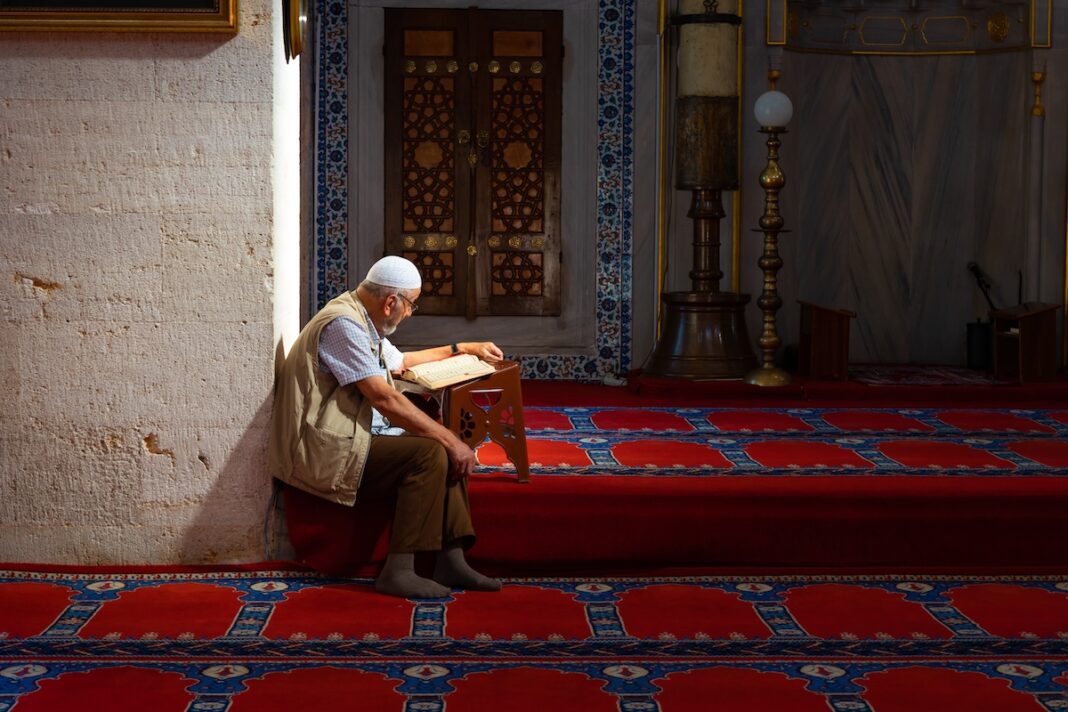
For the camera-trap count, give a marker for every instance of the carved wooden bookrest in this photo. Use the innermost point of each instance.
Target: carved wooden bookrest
(491, 405)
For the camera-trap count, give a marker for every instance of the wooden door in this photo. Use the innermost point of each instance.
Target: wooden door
(472, 174)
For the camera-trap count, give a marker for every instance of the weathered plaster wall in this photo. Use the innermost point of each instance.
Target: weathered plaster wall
(136, 287)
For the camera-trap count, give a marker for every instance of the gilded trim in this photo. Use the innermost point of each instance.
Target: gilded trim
(662, 28)
(768, 9)
(866, 20)
(1040, 28)
(911, 53)
(222, 19)
(1046, 41)
(736, 198)
(1037, 109)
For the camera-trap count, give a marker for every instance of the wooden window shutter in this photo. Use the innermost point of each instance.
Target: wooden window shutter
(472, 174)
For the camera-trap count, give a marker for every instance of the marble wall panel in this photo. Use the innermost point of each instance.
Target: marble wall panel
(881, 136)
(1054, 232)
(900, 184)
(646, 299)
(943, 236)
(816, 252)
(1002, 173)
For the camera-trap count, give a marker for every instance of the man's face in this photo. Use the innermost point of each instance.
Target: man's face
(402, 307)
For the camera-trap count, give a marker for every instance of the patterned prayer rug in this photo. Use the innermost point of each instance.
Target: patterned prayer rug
(270, 640)
(703, 442)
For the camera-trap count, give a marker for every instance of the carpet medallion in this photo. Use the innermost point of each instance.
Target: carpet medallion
(281, 640)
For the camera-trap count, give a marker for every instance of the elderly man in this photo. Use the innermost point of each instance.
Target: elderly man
(340, 428)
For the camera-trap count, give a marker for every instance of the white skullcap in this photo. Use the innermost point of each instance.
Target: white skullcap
(396, 272)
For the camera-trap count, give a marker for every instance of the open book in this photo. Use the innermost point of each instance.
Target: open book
(455, 369)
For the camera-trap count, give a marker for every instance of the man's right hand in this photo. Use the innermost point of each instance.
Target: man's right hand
(462, 458)
(401, 411)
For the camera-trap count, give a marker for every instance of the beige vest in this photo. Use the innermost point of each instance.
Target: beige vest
(320, 431)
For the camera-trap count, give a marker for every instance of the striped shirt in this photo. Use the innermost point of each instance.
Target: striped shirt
(350, 353)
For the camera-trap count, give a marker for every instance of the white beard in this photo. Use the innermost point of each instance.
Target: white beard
(389, 327)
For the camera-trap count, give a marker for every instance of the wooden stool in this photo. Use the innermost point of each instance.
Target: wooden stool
(824, 343)
(501, 418)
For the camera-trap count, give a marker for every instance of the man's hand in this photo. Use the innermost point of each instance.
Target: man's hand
(462, 459)
(403, 412)
(485, 350)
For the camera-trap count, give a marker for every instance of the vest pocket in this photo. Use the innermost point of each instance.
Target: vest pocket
(323, 458)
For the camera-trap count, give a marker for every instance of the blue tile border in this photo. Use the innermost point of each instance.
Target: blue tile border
(332, 149)
(615, 137)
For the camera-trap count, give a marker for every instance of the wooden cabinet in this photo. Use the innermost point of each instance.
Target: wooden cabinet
(1025, 342)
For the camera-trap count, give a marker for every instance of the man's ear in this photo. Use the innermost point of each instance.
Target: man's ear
(389, 304)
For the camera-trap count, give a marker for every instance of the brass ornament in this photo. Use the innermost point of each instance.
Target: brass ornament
(294, 24)
(472, 158)
(463, 137)
(515, 243)
(772, 181)
(409, 241)
(472, 67)
(431, 242)
(495, 241)
(514, 67)
(494, 66)
(409, 67)
(472, 250)
(536, 67)
(431, 67)
(452, 66)
(450, 242)
(997, 27)
(1037, 109)
(538, 243)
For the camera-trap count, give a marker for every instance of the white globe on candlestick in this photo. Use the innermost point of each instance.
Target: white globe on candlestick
(773, 109)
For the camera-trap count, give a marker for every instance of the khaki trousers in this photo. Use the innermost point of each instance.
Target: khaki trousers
(431, 511)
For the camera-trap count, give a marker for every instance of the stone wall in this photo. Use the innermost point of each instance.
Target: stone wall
(136, 293)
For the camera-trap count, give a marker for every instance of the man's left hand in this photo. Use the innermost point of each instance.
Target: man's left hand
(485, 350)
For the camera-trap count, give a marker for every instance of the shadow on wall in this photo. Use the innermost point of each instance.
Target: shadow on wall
(239, 520)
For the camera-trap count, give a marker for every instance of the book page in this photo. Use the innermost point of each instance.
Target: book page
(438, 374)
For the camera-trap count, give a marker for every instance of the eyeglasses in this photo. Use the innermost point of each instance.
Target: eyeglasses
(411, 305)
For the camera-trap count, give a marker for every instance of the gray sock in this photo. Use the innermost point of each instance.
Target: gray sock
(452, 569)
(398, 578)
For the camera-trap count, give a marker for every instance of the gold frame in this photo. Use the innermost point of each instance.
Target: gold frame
(54, 15)
(1034, 9)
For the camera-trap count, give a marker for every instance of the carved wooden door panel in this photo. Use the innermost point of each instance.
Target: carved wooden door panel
(472, 174)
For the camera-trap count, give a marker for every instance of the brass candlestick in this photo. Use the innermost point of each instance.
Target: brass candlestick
(771, 180)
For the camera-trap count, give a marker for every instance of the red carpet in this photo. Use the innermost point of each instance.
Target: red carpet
(883, 386)
(276, 640)
(639, 489)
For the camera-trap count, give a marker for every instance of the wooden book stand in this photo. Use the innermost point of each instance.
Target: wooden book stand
(491, 405)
